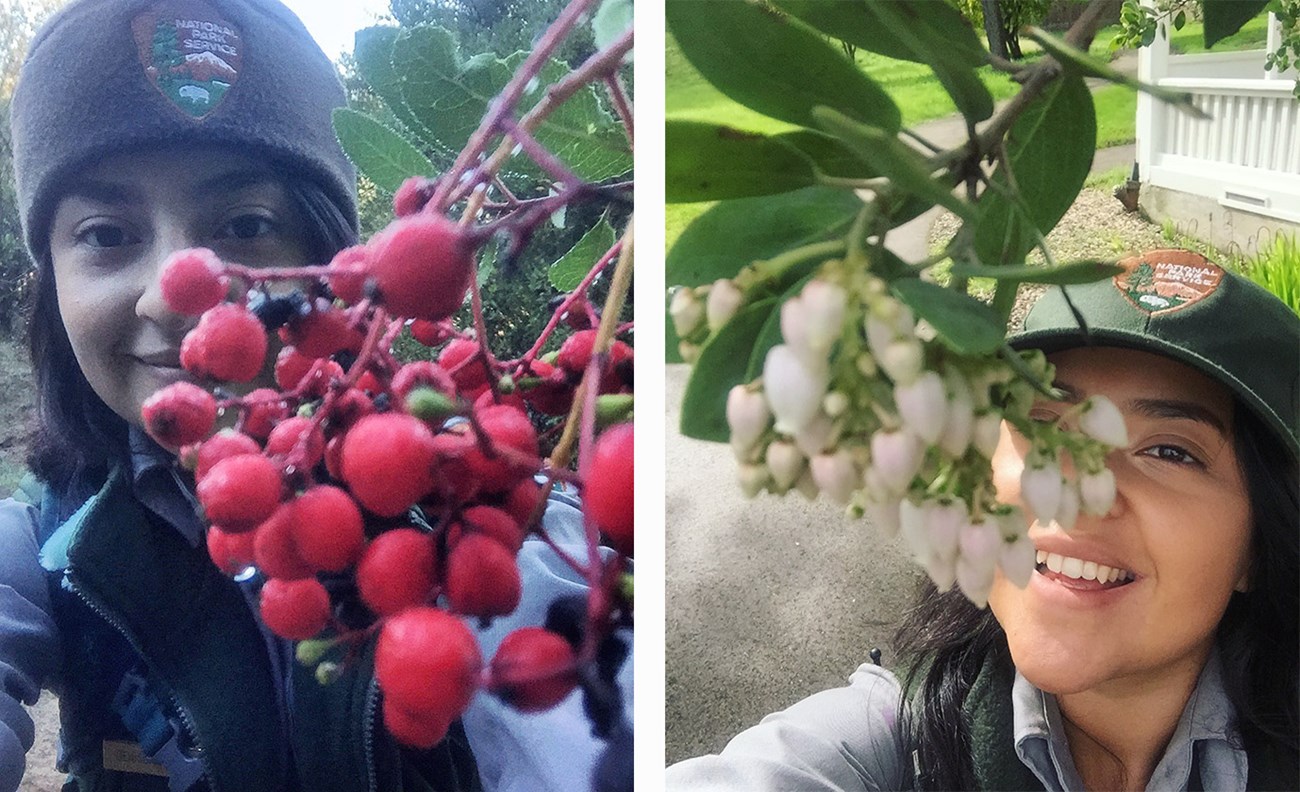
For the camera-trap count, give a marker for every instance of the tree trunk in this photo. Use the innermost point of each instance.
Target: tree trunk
(993, 28)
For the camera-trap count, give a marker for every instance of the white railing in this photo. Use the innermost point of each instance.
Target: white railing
(1246, 156)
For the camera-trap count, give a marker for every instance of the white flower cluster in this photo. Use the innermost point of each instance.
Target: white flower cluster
(702, 310)
(862, 403)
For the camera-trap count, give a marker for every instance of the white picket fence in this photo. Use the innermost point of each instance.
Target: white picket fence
(1246, 156)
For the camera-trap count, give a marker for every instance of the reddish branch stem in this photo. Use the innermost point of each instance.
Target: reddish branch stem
(573, 297)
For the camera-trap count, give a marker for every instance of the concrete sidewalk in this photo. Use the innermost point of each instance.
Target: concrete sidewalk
(773, 599)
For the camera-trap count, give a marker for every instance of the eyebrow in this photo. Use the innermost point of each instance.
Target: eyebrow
(1159, 408)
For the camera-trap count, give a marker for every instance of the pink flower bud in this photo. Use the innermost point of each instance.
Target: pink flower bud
(942, 571)
(724, 300)
(1040, 489)
(1101, 420)
(835, 475)
(835, 403)
(785, 463)
(884, 514)
(824, 303)
(1067, 514)
(794, 323)
(1018, 559)
(880, 334)
(896, 458)
(903, 360)
(987, 433)
(748, 417)
(686, 311)
(923, 406)
(753, 478)
(943, 526)
(806, 486)
(794, 387)
(975, 579)
(979, 542)
(911, 523)
(815, 436)
(1097, 491)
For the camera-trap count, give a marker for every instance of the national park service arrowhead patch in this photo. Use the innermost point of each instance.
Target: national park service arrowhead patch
(190, 54)
(1164, 281)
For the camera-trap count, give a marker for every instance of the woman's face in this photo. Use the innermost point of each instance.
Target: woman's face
(119, 222)
(1180, 524)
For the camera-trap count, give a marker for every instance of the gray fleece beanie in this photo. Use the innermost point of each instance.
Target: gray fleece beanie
(104, 76)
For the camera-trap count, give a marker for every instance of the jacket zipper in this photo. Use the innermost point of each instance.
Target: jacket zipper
(175, 702)
(368, 732)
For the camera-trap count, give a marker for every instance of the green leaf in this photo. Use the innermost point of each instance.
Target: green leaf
(1049, 149)
(1180, 19)
(722, 364)
(568, 272)
(773, 63)
(965, 324)
(1225, 17)
(707, 162)
(1077, 60)
(612, 19)
(732, 234)
(858, 22)
(385, 157)
(373, 50)
(828, 155)
(581, 132)
(1060, 275)
(890, 157)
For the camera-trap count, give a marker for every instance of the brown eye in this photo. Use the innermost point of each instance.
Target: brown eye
(104, 235)
(248, 226)
(1178, 455)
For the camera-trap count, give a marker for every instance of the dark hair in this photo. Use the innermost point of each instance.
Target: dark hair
(76, 436)
(947, 640)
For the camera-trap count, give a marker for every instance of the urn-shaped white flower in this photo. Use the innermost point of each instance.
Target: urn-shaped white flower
(986, 433)
(1097, 491)
(896, 458)
(1018, 559)
(686, 310)
(794, 387)
(1102, 420)
(835, 474)
(753, 478)
(785, 462)
(748, 417)
(824, 304)
(1040, 489)
(1067, 514)
(923, 406)
(724, 300)
(903, 360)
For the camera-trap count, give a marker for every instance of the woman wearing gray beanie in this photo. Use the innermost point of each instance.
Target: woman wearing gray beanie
(142, 127)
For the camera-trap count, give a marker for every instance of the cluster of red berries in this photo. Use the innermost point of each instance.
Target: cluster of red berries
(418, 480)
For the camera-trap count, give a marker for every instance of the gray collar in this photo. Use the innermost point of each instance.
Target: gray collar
(163, 488)
(1205, 741)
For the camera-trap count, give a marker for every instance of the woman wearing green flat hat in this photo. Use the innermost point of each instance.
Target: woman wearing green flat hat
(1156, 645)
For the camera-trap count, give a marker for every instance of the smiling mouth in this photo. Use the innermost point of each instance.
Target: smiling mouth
(1081, 574)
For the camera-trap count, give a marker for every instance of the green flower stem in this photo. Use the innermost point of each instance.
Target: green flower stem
(768, 270)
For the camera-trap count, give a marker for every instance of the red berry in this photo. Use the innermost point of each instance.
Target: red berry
(351, 406)
(427, 663)
(334, 457)
(240, 491)
(193, 281)
(482, 578)
(228, 344)
(460, 358)
(262, 408)
(523, 502)
(608, 483)
(347, 278)
(575, 352)
(487, 521)
(323, 374)
(454, 479)
(396, 570)
(422, 265)
(431, 333)
(230, 552)
(388, 461)
(226, 443)
(534, 669)
(179, 414)
(514, 398)
(515, 449)
(553, 395)
(298, 440)
(295, 609)
(275, 550)
(321, 333)
(327, 528)
(422, 374)
(369, 383)
(417, 731)
(618, 371)
(290, 367)
(411, 196)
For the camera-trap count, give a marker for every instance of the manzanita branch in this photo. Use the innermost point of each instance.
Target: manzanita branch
(573, 297)
(622, 105)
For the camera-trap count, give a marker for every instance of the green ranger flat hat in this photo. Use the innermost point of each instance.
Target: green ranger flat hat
(1178, 304)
